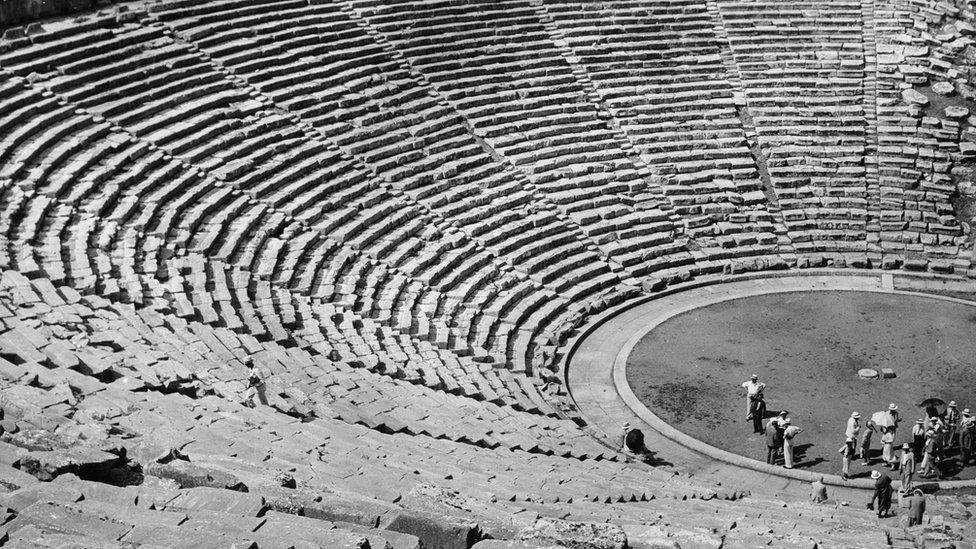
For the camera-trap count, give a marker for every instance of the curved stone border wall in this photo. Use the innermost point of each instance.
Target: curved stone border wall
(617, 332)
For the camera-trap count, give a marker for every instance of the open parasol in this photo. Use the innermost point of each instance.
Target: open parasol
(883, 419)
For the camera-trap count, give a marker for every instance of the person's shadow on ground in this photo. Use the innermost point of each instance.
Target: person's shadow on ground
(800, 456)
(650, 458)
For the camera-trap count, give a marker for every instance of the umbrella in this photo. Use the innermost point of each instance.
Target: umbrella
(931, 402)
(882, 419)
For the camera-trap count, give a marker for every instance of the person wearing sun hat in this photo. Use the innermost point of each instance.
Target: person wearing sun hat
(888, 437)
(789, 432)
(929, 468)
(918, 438)
(882, 493)
(907, 467)
(754, 391)
(967, 437)
(916, 508)
(951, 419)
(847, 453)
(853, 425)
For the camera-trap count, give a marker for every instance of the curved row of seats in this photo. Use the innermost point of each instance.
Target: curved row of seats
(400, 211)
(675, 102)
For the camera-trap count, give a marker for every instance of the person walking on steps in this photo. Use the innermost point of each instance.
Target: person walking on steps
(255, 388)
(847, 455)
(916, 508)
(789, 433)
(881, 500)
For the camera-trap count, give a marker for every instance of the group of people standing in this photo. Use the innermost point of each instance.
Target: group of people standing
(932, 437)
(780, 432)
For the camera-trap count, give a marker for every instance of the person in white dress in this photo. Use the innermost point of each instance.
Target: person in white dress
(788, 434)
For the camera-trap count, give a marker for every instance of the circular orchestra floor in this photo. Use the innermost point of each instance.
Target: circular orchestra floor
(808, 348)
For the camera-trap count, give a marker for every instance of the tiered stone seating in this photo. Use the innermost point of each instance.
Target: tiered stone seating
(802, 68)
(678, 108)
(399, 212)
(418, 145)
(251, 152)
(918, 146)
(211, 241)
(521, 97)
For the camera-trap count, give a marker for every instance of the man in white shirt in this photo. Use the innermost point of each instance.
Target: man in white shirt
(753, 389)
(853, 426)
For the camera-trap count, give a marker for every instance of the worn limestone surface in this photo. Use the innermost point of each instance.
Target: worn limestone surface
(398, 214)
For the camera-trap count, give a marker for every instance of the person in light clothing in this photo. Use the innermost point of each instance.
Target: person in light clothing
(847, 452)
(967, 437)
(888, 448)
(888, 433)
(951, 419)
(788, 435)
(753, 391)
(818, 493)
(853, 425)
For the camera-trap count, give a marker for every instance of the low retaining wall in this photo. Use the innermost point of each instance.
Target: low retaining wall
(15, 12)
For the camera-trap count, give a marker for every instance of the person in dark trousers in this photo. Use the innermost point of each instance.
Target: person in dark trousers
(774, 441)
(907, 467)
(881, 500)
(967, 437)
(757, 411)
(869, 428)
(916, 508)
(918, 439)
